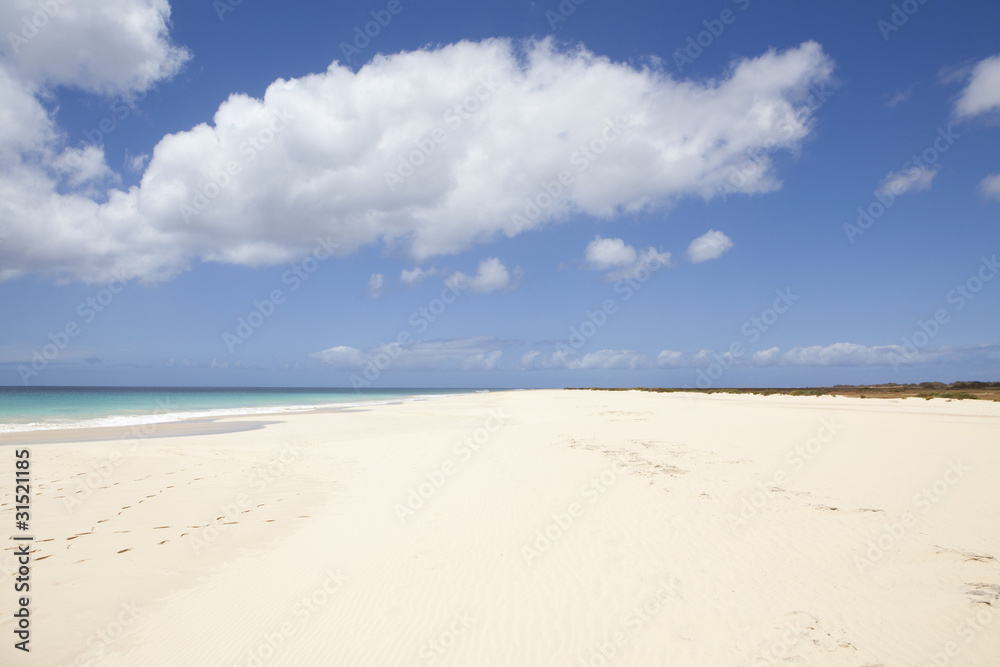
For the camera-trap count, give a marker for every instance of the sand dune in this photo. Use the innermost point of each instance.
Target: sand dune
(527, 528)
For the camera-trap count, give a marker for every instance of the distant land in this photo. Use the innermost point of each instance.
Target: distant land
(989, 391)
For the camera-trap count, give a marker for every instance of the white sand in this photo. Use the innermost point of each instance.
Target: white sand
(683, 530)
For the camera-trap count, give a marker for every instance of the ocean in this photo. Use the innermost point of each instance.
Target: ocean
(38, 408)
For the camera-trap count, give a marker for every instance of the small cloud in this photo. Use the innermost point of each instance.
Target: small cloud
(95, 360)
(491, 275)
(622, 261)
(669, 359)
(415, 276)
(767, 357)
(136, 163)
(603, 254)
(900, 182)
(528, 358)
(710, 245)
(900, 97)
(601, 359)
(376, 284)
(340, 356)
(982, 94)
(990, 187)
(476, 353)
(482, 361)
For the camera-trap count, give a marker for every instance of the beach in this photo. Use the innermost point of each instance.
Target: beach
(542, 527)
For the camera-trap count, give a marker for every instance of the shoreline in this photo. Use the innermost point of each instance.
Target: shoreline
(512, 527)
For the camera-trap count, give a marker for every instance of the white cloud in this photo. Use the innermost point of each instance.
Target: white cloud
(137, 162)
(528, 358)
(669, 359)
(900, 182)
(325, 171)
(990, 186)
(476, 353)
(837, 354)
(481, 361)
(376, 285)
(900, 97)
(766, 357)
(710, 245)
(415, 276)
(982, 94)
(603, 254)
(845, 354)
(491, 276)
(341, 356)
(601, 359)
(105, 46)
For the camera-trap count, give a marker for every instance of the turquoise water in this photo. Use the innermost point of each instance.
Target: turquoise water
(36, 408)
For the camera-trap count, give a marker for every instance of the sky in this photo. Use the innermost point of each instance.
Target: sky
(419, 193)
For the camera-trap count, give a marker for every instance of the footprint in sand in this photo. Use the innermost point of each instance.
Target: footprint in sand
(48, 540)
(163, 542)
(160, 527)
(104, 520)
(42, 558)
(124, 550)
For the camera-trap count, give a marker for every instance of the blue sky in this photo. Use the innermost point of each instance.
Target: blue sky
(522, 194)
